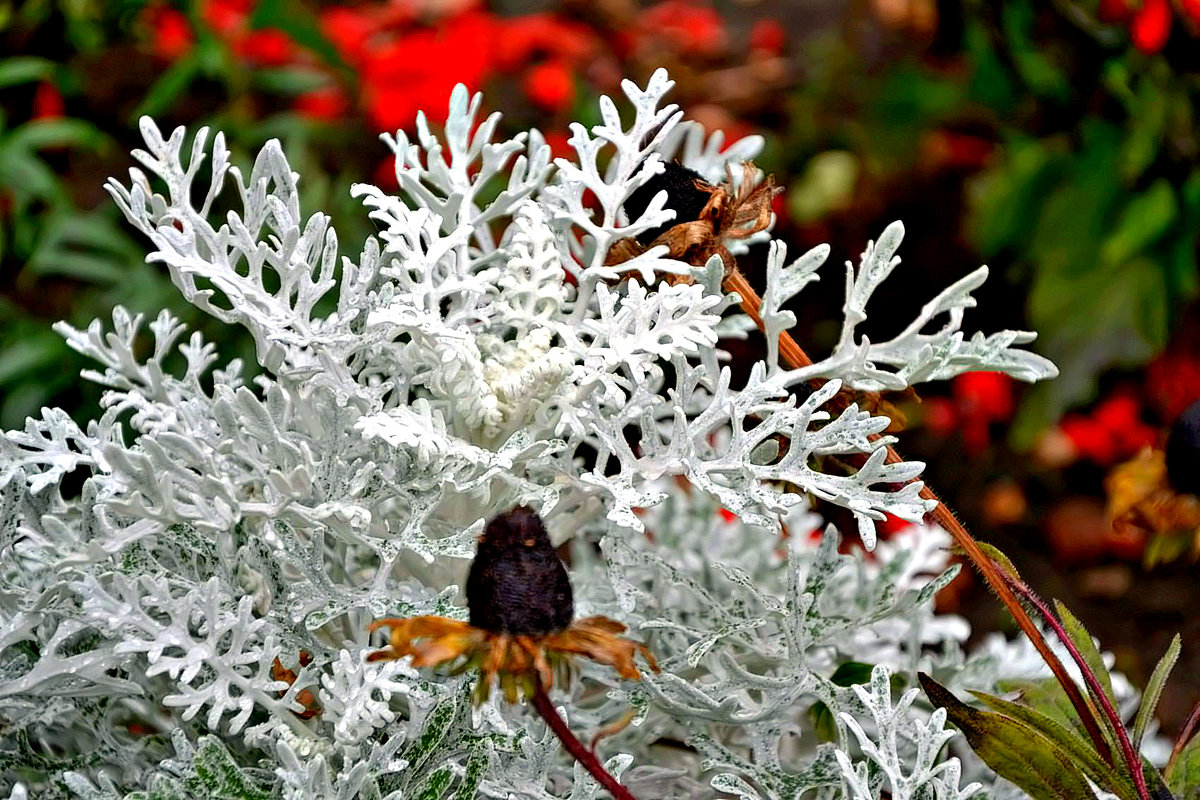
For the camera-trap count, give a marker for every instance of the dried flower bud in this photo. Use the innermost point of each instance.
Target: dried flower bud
(517, 583)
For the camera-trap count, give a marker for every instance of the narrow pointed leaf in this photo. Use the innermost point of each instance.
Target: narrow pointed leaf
(1014, 749)
(1087, 648)
(996, 555)
(1085, 756)
(1153, 691)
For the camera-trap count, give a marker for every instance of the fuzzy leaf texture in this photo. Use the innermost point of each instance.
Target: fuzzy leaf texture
(190, 618)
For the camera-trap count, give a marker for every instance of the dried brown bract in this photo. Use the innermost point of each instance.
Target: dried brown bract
(705, 215)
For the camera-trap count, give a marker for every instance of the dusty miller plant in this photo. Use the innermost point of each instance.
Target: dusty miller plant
(187, 580)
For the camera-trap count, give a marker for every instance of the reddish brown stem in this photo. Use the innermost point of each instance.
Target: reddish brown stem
(1089, 677)
(1189, 727)
(541, 702)
(795, 357)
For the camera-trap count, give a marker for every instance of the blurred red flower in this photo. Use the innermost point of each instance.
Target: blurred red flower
(939, 416)
(1151, 26)
(891, 524)
(768, 36)
(385, 175)
(226, 17)
(533, 37)
(560, 146)
(1191, 10)
(978, 400)
(268, 47)
(1090, 440)
(47, 101)
(418, 70)
(171, 35)
(689, 27)
(987, 394)
(550, 86)
(1173, 383)
(349, 30)
(1111, 11)
(328, 103)
(1113, 431)
(981, 399)
(1121, 416)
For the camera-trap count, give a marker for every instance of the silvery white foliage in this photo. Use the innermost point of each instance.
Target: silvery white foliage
(186, 615)
(912, 355)
(907, 777)
(269, 234)
(357, 694)
(743, 677)
(225, 669)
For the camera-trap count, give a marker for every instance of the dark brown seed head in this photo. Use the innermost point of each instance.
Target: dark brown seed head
(687, 195)
(517, 583)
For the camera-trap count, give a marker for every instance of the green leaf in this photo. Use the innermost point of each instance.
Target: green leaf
(1143, 221)
(39, 134)
(1146, 115)
(23, 69)
(27, 355)
(1035, 63)
(1153, 692)
(87, 246)
(296, 22)
(1089, 761)
(851, 673)
(219, 777)
(28, 177)
(1006, 199)
(436, 785)
(1183, 776)
(823, 722)
(434, 732)
(1157, 786)
(289, 80)
(477, 767)
(848, 673)
(1047, 697)
(1014, 749)
(995, 554)
(1087, 648)
(1087, 325)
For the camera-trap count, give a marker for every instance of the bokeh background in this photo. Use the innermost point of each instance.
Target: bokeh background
(1055, 141)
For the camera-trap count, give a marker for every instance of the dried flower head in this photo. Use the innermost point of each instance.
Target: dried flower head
(517, 583)
(705, 214)
(1142, 502)
(520, 628)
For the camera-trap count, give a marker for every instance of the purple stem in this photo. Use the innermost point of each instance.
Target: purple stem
(1189, 728)
(541, 702)
(1089, 677)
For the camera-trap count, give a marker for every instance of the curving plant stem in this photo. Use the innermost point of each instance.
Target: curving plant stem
(795, 357)
(1089, 677)
(541, 702)
(1185, 735)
